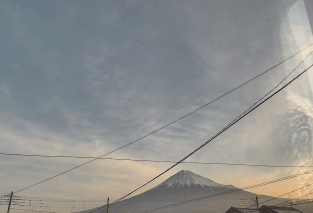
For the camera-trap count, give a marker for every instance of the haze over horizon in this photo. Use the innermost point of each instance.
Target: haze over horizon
(83, 79)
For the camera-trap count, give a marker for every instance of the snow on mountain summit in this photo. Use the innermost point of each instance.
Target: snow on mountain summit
(184, 177)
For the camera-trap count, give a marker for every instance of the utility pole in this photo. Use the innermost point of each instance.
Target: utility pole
(10, 202)
(257, 202)
(108, 203)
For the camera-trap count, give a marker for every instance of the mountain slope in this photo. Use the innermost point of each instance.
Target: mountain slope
(184, 186)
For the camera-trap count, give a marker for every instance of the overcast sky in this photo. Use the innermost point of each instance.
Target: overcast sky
(83, 78)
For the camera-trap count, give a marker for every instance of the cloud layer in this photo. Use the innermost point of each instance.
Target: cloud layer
(85, 78)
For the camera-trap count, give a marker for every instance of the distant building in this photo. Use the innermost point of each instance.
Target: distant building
(264, 209)
(276, 209)
(241, 210)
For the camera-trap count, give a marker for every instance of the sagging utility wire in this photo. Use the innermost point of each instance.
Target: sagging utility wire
(157, 130)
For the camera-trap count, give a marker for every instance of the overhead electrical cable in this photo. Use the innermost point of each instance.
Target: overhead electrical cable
(249, 110)
(49, 204)
(32, 210)
(305, 202)
(274, 198)
(282, 195)
(164, 125)
(65, 202)
(160, 161)
(300, 203)
(58, 199)
(288, 202)
(50, 201)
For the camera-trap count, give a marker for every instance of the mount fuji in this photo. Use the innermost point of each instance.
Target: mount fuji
(186, 186)
(189, 179)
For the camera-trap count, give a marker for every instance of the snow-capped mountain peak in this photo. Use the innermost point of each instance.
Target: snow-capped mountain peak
(185, 177)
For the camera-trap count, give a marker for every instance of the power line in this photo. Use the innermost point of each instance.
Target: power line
(164, 125)
(53, 201)
(59, 199)
(159, 161)
(46, 203)
(303, 195)
(290, 202)
(32, 210)
(50, 204)
(250, 109)
(63, 201)
(300, 203)
(274, 198)
(73, 205)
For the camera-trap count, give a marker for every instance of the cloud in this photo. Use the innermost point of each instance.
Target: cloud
(84, 79)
